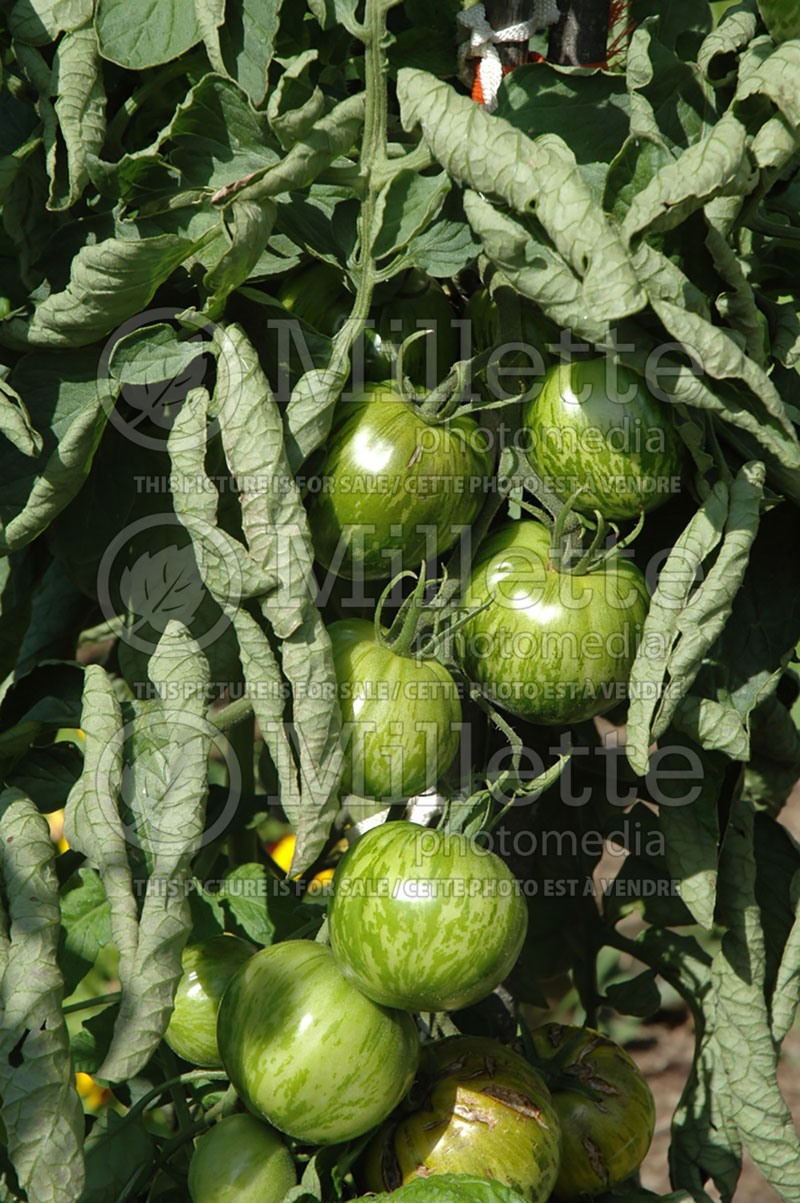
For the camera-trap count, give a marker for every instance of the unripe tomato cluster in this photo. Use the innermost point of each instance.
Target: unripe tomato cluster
(325, 1043)
(322, 1047)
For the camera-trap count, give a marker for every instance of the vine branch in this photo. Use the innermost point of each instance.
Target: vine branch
(580, 36)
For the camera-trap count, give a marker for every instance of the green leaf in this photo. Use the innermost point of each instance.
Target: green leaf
(533, 267)
(116, 1147)
(90, 1045)
(331, 136)
(296, 104)
(637, 996)
(276, 530)
(80, 109)
(682, 625)
(246, 38)
(62, 395)
(40, 21)
(450, 1188)
(15, 422)
(717, 165)
(408, 206)
(109, 282)
(742, 1029)
(493, 158)
(714, 726)
(215, 136)
(164, 788)
(781, 19)
(777, 77)
(85, 918)
(42, 1113)
(142, 33)
(251, 227)
(47, 775)
(591, 112)
(265, 907)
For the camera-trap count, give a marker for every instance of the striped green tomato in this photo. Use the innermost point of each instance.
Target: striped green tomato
(240, 1160)
(424, 920)
(551, 647)
(595, 424)
(402, 717)
(395, 490)
(604, 1139)
(308, 1052)
(207, 968)
(484, 1110)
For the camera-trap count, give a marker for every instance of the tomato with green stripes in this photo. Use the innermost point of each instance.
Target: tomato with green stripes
(208, 966)
(425, 920)
(309, 1053)
(607, 1120)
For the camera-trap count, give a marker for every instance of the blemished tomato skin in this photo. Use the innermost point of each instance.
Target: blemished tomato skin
(401, 717)
(424, 920)
(605, 1140)
(553, 648)
(609, 434)
(306, 1051)
(208, 966)
(240, 1160)
(395, 490)
(483, 1110)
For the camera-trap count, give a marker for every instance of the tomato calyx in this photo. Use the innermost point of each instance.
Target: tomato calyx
(568, 553)
(423, 627)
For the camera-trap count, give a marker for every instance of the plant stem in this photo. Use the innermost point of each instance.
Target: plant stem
(580, 36)
(100, 1001)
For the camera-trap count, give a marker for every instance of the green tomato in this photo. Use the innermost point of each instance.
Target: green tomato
(207, 968)
(604, 1140)
(611, 436)
(402, 717)
(395, 490)
(550, 647)
(424, 920)
(317, 295)
(448, 1188)
(484, 1110)
(308, 1052)
(240, 1160)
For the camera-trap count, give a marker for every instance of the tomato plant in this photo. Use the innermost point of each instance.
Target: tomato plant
(402, 716)
(484, 1110)
(207, 969)
(240, 1160)
(550, 646)
(423, 920)
(607, 1117)
(595, 426)
(394, 489)
(307, 1051)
